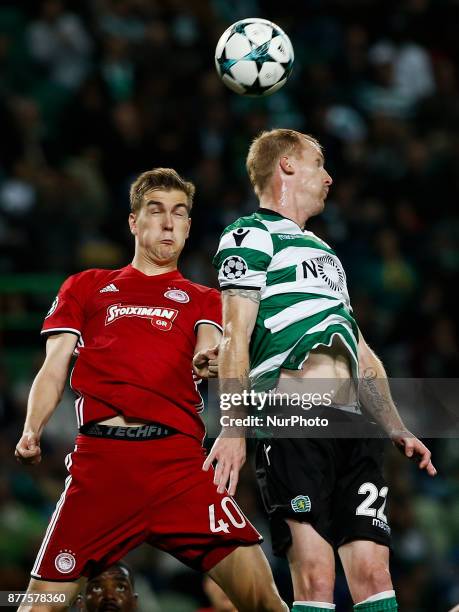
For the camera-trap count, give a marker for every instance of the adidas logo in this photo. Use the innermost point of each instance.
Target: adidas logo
(110, 287)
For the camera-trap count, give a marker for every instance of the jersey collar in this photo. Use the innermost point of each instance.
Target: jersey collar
(274, 213)
(167, 276)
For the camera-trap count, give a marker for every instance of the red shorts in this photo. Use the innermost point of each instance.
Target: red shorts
(121, 493)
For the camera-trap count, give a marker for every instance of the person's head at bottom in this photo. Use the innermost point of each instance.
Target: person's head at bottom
(111, 590)
(218, 599)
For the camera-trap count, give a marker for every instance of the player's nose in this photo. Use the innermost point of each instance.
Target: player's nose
(328, 179)
(168, 222)
(110, 596)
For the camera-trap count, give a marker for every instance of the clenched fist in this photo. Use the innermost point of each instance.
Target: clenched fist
(28, 449)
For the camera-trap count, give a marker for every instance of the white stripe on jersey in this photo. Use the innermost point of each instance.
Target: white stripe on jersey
(294, 256)
(77, 411)
(252, 278)
(300, 286)
(273, 363)
(331, 320)
(256, 238)
(298, 312)
(281, 225)
(81, 411)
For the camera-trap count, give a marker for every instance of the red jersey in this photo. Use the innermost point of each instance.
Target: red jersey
(136, 341)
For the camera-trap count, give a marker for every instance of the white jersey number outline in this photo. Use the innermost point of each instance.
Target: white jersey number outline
(365, 509)
(223, 525)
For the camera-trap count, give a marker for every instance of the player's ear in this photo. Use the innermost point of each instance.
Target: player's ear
(286, 165)
(133, 224)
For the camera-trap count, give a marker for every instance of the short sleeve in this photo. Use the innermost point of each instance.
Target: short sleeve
(211, 311)
(244, 254)
(66, 313)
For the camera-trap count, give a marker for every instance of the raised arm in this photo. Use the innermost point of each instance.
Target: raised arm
(240, 309)
(375, 395)
(45, 395)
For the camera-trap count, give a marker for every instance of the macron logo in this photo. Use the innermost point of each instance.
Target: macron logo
(161, 318)
(110, 287)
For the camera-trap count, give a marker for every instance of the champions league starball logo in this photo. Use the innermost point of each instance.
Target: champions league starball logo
(234, 267)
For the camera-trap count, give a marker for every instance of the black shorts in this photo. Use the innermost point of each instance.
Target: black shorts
(335, 484)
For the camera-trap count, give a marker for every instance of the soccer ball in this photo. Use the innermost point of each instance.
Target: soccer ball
(254, 57)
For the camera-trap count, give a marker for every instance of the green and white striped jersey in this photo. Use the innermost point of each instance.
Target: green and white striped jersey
(304, 297)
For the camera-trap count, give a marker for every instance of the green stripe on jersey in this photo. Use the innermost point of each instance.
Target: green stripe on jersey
(285, 275)
(304, 297)
(256, 260)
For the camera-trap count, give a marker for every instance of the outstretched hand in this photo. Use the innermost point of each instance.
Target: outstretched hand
(413, 448)
(230, 456)
(28, 449)
(205, 363)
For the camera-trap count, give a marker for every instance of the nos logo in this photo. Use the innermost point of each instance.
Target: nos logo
(327, 268)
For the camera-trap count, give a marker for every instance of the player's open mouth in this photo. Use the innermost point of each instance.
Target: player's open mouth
(167, 242)
(109, 606)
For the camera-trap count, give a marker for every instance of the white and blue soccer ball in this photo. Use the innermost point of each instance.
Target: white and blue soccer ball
(254, 57)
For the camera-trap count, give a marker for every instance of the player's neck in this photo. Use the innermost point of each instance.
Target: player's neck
(287, 209)
(150, 267)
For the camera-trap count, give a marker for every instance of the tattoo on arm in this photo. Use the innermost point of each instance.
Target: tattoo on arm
(378, 401)
(244, 378)
(252, 294)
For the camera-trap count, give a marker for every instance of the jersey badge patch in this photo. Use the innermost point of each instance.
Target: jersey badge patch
(65, 562)
(54, 305)
(177, 295)
(162, 318)
(234, 267)
(301, 503)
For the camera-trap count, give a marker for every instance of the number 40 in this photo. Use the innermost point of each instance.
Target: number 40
(237, 521)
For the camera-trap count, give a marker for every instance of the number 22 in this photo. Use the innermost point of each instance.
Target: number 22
(365, 509)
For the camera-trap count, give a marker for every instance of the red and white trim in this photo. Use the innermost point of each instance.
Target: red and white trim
(208, 322)
(54, 330)
(53, 522)
(79, 402)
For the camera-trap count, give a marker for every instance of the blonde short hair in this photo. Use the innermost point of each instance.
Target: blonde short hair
(159, 178)
(267, 148)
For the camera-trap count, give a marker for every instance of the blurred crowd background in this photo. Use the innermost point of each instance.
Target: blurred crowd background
(93, 92)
